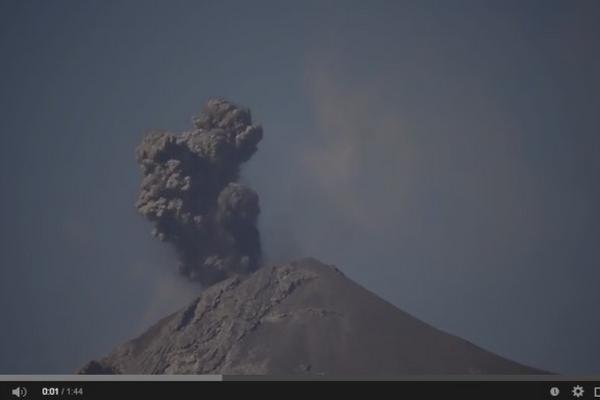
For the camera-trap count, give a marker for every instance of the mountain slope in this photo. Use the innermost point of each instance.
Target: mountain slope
(303, 317)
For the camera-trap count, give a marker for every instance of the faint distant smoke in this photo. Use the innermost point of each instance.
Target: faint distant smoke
(191, 194)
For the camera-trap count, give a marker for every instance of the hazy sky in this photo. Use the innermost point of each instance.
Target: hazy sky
(444, 154)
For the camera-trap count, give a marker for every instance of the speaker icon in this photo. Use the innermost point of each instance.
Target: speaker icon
(19, 392)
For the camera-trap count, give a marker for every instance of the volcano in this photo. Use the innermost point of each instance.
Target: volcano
(303, 317)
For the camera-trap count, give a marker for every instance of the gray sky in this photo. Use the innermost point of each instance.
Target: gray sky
(442, 154)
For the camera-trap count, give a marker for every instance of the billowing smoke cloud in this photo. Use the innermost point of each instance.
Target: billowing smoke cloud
(191, 194)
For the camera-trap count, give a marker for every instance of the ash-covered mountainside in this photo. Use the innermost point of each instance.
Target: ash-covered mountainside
(299, 318)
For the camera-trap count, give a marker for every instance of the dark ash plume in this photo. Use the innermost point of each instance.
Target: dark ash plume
(191, 194)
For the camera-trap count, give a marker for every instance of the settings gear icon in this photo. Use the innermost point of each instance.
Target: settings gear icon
(577, 391)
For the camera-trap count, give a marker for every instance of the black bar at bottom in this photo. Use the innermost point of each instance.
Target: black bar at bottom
(91, 390)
